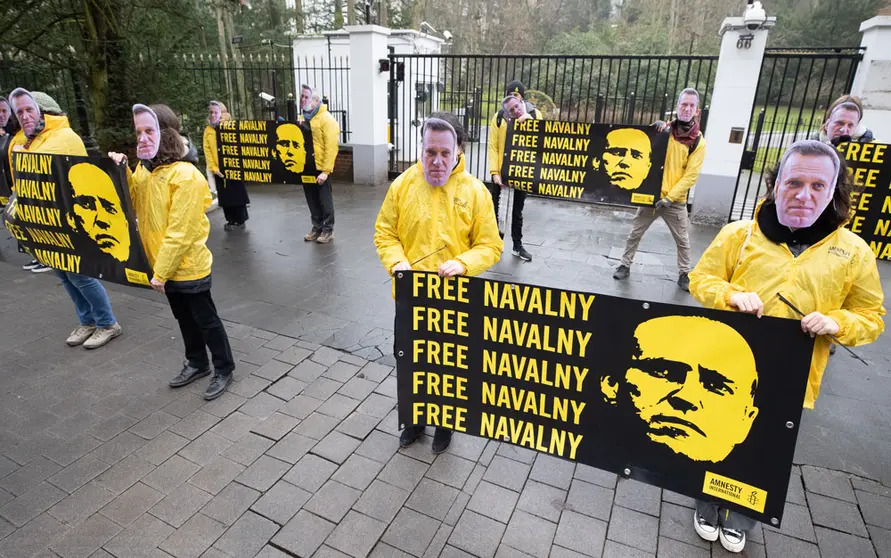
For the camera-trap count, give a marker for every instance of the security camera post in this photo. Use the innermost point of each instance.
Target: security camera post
(266, 151)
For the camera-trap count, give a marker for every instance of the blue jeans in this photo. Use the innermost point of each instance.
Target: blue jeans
(90, 299)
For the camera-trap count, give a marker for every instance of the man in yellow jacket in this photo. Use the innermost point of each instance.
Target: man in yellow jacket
(45, 129)
(437, 217)
(683, 161)
(513, 107)
(325, 133)
(796, 246)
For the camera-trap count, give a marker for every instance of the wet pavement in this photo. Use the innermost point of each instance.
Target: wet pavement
(98, 457)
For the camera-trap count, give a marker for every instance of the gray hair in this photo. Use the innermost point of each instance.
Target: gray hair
(812, 148)
(847, 106)
(689, 91)
(438, 125)
(508, 98)
(304, 86)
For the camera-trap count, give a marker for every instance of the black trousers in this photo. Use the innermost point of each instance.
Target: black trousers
(201, 327)
(321, 205)
(235, 214)
(516, 218)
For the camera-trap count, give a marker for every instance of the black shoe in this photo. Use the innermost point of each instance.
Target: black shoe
(684, 282)
(228, 226)
(832, 349)
(622, 272)
(188, 375)
(520, 252)
(441, 440)
(31, 265)
(410, 435)
(218, 385)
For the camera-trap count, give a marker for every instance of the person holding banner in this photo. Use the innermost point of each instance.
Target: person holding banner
(513, 107)
(45, 129)
(683, 161)
(325, 133)
(232, 194)
(797, 247)
(8, 129)
(439, 218)
(170, 196)
(842, 122)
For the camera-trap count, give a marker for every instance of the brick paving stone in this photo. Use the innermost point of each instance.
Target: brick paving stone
(29, 476)
(671, 548)
(381, 501)
(752, 550)
(477, 534)
(494, 502)
(118, 448)
(357, 472)
(293, 355)
(581, 533)
(194, 537)
(71, 451)
(132, 504)
(263, 473)
(505, 551)
(332, 501)
(328, 552)
(248, 449)
(273, 370)
(595, 476)
(468, 447)
(227, 506)
(633, 528)
(205, 448)
(828, 483)
(476, 476)
(390, 424)
(871, 487)
(336, 447)
(86, 538)
(379, 446)
(291, 448)
(376, 372)
(276, 426)
(377, 405)
(153, 425)
(322, 388)
(421, 449)
(281, 502)
(260, 356)
(235, 426)
(214, 477)
(171, 474)
(194, 425)
(280, 343)
(160, 449)
(32, 503)
(179, 506)
(457, 509)
(452, 552)
(357, 388)
(676, 522)
(338, 406)
(304, 534)
(301, 406)
(271, 552)
(553, 471)
(403, 472)
(542, 500)
(432, 498)
(356, 535)
(308, 372)
(507, 473)
(836, 514)
(780, 545)
(111, 427)
(310, 473)
(261, 406)
(33, 537)
(223, 406)
(833, 543)
(286, 388)
(78, 473)
(343, 372)
(533, 535)
(796, 523)
(140, 538)
(881, 539)
(411, 532)
(795, 493)
(523, 455)
(125, 474)
(589, 499)
(383, 550)
(451, 470)
(638, 496)
(247, 535)
(326, 356)
(876, 509)
(358, 425)
(677, 499)
(489, 452)
(439, 540)
(316, 426)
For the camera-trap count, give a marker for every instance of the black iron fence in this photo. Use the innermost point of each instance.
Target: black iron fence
(794, 89)
(611, 89)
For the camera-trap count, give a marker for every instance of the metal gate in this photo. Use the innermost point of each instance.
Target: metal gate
(794, 89)
(611, 89)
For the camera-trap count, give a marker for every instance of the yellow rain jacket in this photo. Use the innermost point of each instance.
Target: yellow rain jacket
(170, 202)
(681, 169)
(56, 138)
(497, 137)
(325, 134)
(836, 276)
(458, 219)
(210, 149)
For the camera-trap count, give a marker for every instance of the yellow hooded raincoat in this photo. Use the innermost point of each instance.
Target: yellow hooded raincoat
(497, 137)
(170, 202)
(56, 138)
(210, 149)
(836, 276)
(325, 133)
(458, 219)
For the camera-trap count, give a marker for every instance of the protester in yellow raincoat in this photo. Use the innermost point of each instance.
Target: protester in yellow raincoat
(231, 194)
(796, 246)
(437, 217)
(45, 129)
(170, 196)
(325, 133)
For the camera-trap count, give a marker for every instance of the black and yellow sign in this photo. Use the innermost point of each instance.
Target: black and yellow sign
(74, 214)
(601, 163)
(692, 400)
(869, 165)
(266, 151)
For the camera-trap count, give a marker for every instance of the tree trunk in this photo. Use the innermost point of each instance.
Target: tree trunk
(383, 16)
(299, 17)
(338, 14)
(224, 49)
(351, 12)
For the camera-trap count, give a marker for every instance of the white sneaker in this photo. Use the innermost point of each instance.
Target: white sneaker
(102, 335)
(732, 540)
(79, 335)
(705, 530)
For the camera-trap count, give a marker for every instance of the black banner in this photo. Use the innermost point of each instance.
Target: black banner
(266, 151)
(698, 401)
(74, 214)
(869, 165)
(602, 163)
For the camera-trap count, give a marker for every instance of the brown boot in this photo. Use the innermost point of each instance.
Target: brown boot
(313, 235)
(325, 238)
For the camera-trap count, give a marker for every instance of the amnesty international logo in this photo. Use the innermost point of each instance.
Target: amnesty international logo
(734, 491)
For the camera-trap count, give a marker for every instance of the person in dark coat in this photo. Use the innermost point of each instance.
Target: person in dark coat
(231, 194)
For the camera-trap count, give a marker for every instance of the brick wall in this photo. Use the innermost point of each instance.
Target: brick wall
(343, 167)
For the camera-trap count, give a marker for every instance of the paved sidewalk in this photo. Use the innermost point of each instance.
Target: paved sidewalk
(98, 457)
